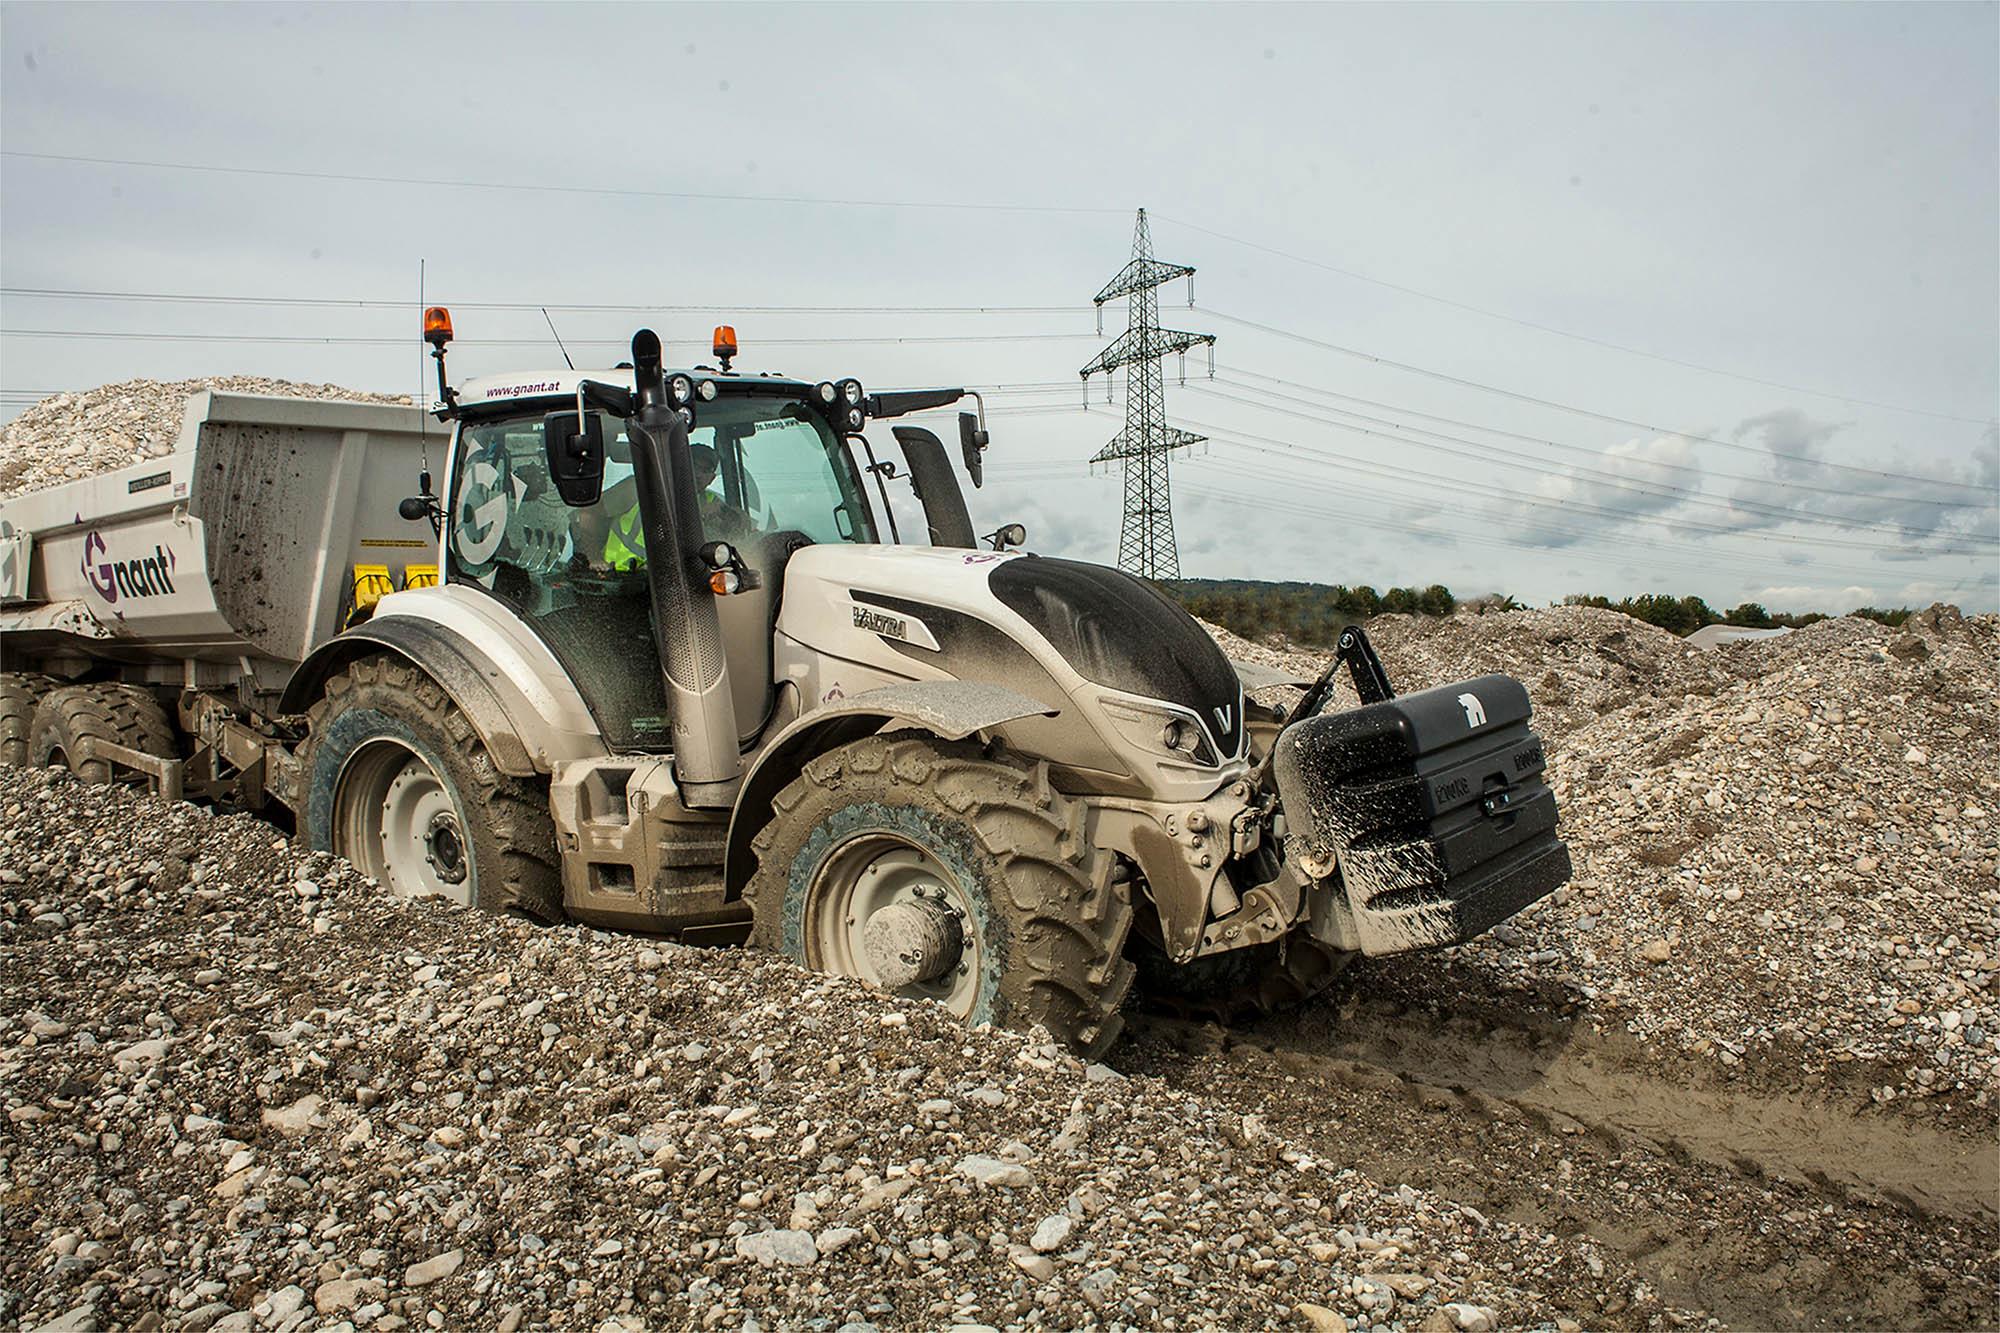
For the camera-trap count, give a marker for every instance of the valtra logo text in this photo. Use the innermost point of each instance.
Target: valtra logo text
(147, 576)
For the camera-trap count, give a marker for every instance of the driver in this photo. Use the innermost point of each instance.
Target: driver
(625, 544)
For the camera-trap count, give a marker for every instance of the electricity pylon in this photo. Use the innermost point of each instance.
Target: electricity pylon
(1146, 537)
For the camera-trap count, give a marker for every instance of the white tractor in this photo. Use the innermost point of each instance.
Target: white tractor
(660, 668)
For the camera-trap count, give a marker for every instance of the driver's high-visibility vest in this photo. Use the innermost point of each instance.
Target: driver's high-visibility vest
(625, 544)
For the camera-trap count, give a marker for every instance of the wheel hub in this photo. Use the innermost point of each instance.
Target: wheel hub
(444, 849)
(396, 820)
(915, 939)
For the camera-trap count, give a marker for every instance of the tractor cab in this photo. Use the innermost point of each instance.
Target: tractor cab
(543, 509)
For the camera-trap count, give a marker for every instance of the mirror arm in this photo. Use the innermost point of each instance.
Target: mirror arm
(880, 485)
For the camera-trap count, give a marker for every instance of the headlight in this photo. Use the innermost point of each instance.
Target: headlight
(826, 392)
(851, 391)
(680, 388)
(854, 418)
(706, 391)
(1158, 730)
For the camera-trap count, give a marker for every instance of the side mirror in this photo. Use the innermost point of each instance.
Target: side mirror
(576, 456)
(424, 504)
(971, 441)
(1009, 534)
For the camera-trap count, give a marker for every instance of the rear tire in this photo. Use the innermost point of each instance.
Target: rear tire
(71, 719)
(20, 691)
(398, 782)
(989, 841)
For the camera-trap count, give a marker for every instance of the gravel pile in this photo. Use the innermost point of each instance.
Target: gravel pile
(243, 1089)
(1786, 849)
(1578, 662)
(72, 435)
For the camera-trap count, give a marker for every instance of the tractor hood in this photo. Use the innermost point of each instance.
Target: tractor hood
(1042, 626)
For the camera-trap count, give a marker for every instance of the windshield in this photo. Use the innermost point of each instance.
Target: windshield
(767, 471)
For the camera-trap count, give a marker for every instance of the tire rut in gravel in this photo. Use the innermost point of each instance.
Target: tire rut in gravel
(1767, 1213)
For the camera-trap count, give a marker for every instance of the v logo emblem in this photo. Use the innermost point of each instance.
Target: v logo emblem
(1223, 714)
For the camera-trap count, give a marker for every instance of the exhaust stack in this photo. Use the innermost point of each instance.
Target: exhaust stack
(707, 763)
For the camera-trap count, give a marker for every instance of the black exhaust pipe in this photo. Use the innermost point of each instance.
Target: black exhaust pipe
(686, 628)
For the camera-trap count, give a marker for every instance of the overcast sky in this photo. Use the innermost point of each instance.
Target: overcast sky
(1755, 245)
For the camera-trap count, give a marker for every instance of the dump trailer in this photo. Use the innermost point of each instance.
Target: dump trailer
(654, 658)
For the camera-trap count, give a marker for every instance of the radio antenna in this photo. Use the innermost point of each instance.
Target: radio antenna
(423, 417)
(558, 337)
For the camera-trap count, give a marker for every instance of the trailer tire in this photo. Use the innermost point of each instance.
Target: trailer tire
(1240, 983)
(70, 719)
(1040, 920)
(385, 744)
(20, 691)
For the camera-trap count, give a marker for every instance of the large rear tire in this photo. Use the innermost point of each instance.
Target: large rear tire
(935, 870)
(71, 720)
(398, 782)
(20, 691)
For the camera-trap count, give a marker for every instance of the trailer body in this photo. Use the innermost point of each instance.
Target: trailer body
(224, 563)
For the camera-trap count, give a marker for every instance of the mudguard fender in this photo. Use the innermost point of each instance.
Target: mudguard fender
(948, 709)
(526, 711)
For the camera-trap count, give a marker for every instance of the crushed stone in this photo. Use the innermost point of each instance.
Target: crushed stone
(67, 436)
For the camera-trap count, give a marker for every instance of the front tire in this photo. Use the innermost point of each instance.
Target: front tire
(978, 874)
(398, 782)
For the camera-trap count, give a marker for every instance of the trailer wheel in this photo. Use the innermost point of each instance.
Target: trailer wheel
(934, 871)
(1240, 983)
(20, 691)
(71, 719)
(398, 782)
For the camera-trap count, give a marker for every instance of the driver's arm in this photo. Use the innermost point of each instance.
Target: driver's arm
(592, 525)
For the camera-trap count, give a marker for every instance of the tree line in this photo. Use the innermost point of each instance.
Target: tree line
(1317, 612)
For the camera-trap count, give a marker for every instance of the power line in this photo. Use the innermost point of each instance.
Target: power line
(656, 307)
(946, 205)
(1291, 483)
(1267, 503)
(1561, 407)
(1696, 468)
(1499, 458)
(1474, 451)
(130, 336)
(606, 191)
(1564, 333)
(1434, 481)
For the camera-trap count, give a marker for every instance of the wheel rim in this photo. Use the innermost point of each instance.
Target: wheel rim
(914, 905)
(394, 818)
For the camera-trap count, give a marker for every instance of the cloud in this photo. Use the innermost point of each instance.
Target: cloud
(1577, 507)
(1926, 508)
(1804, 597)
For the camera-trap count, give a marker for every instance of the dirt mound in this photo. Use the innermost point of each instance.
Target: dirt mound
(72, 435)
(1793, 878)
(1578, 662)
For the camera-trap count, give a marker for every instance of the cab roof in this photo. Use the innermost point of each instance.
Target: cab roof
(487, 390)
